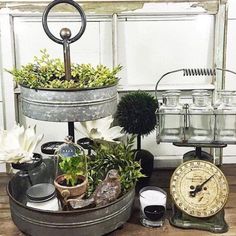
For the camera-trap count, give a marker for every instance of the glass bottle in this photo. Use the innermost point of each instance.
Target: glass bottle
(201, 118)
(221, 97)
(226, 119)
(170, 118)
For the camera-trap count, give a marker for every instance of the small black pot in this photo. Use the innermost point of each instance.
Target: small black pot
(86, 143)
(146, 160)
(50, 147)
(27, 166)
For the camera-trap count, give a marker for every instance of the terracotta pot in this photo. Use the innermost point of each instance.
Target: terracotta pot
(71, 191)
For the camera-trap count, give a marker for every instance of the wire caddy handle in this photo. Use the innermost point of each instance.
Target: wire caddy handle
(193, 72)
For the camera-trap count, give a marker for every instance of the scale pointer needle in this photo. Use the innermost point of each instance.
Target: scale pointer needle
(199, 187)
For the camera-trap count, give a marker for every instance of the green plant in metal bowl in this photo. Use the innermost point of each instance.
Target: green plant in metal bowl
(47, 72)
(117, 156)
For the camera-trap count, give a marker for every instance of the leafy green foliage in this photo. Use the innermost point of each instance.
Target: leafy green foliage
(136, 113)
(73, 166)
(45, 72)
(117, 156)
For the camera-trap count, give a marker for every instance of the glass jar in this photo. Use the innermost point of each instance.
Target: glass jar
(201, 118)
(221, 97)
(152, 206)
(170, 118)
(49, 148)
(43, 197)
(33, 171)
(226, 119)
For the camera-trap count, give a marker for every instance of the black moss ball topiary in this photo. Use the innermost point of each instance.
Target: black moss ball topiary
(136, 113)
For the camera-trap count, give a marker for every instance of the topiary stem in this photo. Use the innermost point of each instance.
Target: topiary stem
(71, 130)
(138, 142)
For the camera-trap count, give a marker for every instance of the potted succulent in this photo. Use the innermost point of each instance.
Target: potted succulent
(91, 93)
(72, 182)
(136, 114)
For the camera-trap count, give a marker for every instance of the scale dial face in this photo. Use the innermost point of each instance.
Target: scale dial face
(199, 188)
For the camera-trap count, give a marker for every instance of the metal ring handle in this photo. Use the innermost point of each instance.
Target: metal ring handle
(45, 23)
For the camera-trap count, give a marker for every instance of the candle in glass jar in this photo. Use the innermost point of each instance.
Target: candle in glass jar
(153, 206)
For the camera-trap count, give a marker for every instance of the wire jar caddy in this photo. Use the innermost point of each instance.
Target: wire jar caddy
(203, 120)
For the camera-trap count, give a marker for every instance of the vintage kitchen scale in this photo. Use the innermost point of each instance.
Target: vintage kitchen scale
(199, 192)
(198, 188)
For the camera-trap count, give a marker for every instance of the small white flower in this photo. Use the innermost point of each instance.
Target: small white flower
(18, 144)
(100, 129)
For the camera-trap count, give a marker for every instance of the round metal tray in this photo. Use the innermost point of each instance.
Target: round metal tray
(68, 105)
(93, 221)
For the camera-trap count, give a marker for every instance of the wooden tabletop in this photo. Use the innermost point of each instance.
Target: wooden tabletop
(133, 227)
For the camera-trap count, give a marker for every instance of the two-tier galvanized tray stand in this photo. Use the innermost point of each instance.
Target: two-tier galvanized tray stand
(67, 106)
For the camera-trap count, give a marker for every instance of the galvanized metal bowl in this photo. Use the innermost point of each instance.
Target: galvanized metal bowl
(68, 105)
(93, 222)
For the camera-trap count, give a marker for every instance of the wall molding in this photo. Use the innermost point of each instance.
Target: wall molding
(108, 6)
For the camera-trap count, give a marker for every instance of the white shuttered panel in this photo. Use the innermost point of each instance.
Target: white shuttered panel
(90, 48)
(151, 46)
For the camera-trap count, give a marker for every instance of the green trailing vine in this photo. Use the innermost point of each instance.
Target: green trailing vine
(46, 72)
